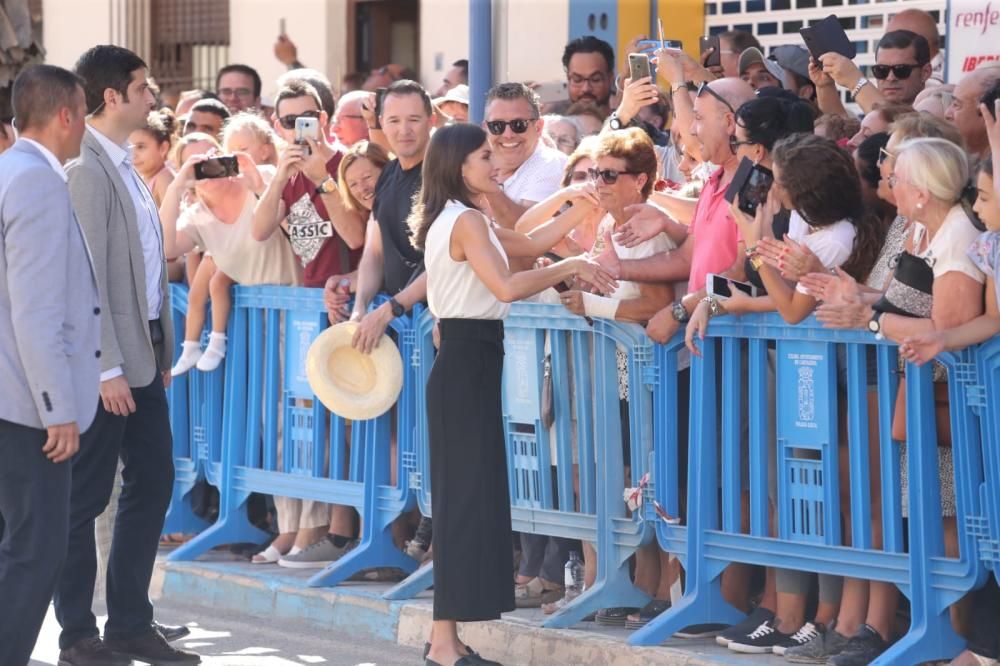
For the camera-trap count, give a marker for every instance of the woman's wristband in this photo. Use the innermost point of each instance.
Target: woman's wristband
(600, 306)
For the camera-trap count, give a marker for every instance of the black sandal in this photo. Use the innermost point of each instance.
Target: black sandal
(648, 612)
(614, 617)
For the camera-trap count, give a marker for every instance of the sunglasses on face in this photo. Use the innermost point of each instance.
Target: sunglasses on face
(704, 87)
(881, 72)
(288, 122)
(884, 155)
(517, 126)
(609, 176)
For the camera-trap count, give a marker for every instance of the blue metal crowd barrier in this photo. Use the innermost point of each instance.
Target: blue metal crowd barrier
(808, 485)
(196, 404)
(584, 374)
(278, 438)
(986, 527)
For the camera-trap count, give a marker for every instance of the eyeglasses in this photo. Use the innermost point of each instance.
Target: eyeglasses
(704, 87)
(288, 122)
(609, 176)
(517, 126)
(235, 92)
(594, 79)
(579, 176)
(884, 155)
(734, 144)
(881, 72)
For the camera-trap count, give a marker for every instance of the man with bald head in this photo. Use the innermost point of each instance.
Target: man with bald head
(964, 109)
(348, 124)
(922, 23)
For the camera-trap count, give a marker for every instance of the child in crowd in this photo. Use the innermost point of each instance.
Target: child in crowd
(209, 218)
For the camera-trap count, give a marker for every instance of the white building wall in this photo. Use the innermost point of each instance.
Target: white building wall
(70, 27)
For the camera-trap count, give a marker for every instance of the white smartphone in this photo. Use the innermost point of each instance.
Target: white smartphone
(552, 92)
(718, 286)
(306, 128)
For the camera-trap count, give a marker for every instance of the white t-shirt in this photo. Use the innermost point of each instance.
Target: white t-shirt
(832, 245)
(948, 250)
(538, 177)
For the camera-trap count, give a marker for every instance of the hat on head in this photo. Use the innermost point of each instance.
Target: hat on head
(753, 55)
(793, 58)
(459, 93)
(352, 384)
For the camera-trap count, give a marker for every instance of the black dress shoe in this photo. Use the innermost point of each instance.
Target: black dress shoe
(152, 648)
(171, 633)
(472, 653)
(91, 652)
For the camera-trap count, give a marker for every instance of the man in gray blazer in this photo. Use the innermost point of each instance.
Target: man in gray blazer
(123, 230)
(49, 349)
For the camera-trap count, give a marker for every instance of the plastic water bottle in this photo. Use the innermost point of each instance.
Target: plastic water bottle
(344, 286)
(573, 579)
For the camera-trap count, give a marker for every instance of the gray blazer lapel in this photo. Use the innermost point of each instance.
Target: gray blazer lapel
(137, 261)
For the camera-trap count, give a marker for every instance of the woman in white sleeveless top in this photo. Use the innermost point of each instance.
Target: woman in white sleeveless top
(469, 287)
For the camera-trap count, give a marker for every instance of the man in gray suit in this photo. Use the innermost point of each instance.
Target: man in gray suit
(49, 349)
(122, 226)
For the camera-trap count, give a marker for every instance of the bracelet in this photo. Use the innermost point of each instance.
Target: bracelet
(756, 261)
(751, 251)
(714, 308)
(674, 87)
(859, 85)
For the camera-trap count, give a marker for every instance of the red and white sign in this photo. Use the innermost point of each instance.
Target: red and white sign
(973, 35)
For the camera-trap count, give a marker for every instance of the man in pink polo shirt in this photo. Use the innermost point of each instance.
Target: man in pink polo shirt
(711, 245)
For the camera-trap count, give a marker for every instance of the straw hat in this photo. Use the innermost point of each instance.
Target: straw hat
(352, 384)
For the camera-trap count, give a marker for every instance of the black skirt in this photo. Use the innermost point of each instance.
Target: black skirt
(470, 499)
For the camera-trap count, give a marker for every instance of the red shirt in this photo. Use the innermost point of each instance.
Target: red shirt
(314, 240)
(715, 234)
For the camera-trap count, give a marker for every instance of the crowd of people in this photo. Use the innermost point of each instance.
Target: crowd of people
(881, 215)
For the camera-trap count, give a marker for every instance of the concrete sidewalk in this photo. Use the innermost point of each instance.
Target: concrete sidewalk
(221, 581)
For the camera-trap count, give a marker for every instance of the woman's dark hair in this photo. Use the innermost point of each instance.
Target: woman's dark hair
(986, 165)
(867, 156)
(442, 177)
(823, 185)
(768, 119)
(162, 125)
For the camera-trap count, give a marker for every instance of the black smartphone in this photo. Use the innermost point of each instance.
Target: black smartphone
(638, 66)
(828, 36)
(217, 167)
(711, 42)
(379, 95)
(750, 186)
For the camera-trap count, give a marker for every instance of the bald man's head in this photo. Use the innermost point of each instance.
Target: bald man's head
(715, 117)
(920, 22)
(964, 109)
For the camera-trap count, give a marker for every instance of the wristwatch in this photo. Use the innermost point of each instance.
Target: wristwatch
(756, 261)
(875, 325)
(328, 186)
(397, 309)
(679, 312)
(616, 123)
(862, 82)
(679, 85)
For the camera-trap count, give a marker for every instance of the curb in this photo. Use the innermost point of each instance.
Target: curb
(358, 608)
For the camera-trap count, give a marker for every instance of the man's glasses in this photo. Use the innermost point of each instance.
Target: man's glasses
(881, 72)
(704, 87)
(288, 122)
(609, 176)
(517, 126)
(884, 155)
(244, 93)
(594, 79)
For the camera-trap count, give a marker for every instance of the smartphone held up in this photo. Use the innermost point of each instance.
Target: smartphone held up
(306, 128)
(224, 166)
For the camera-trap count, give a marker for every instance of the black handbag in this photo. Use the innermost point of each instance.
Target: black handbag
(910, 290)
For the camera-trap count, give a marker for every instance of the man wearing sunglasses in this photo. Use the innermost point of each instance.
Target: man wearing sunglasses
(303, 197)
(902, 67)
(529, 170)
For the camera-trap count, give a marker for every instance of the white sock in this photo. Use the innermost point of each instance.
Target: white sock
(190, 354)
(214, 352)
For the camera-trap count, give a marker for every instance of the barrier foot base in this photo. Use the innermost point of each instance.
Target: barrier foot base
(695, 607)
(414, 584)
(615, 591)
(377, 551)
(928, 641)
(229, 529)
(181, 518)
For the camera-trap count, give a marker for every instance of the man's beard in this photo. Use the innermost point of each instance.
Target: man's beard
(591, 99)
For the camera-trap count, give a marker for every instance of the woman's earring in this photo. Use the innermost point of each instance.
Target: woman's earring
(920, 206)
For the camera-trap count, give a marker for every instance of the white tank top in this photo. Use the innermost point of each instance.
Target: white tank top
(454, 291)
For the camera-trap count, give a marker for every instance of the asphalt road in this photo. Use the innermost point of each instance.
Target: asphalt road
(234, 639)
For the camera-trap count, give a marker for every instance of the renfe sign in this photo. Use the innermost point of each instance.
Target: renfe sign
(973, 35)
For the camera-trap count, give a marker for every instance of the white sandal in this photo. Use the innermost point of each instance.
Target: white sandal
(269, 555)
